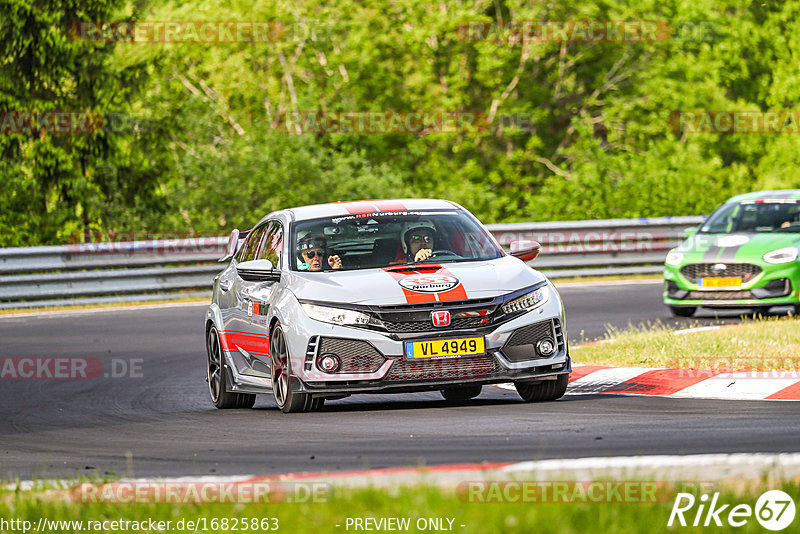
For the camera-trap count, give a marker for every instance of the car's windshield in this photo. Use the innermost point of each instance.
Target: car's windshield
(374, 240)
(767, 215)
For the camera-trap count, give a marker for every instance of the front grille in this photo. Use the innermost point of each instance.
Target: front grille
(427, 326)
(355, 356)
(720, 295)
(412, 318)
(521, 345)
(693, 271)
(475, 367)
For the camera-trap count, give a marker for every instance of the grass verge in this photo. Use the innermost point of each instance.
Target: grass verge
(451, 511)
(754, 345)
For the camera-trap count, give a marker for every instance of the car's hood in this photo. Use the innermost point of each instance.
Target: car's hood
(739, 247)
(383, 286)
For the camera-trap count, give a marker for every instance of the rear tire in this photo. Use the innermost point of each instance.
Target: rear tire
(548, 390)
(461, 393)
(683, 311)
(217, 377)
(287, 400)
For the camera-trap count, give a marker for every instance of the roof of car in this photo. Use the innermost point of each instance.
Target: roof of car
(762, 195)
(357, 207)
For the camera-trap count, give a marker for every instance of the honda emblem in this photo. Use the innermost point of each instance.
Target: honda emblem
(440, 318)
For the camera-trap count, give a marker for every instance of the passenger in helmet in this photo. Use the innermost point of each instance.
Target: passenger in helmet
(418, 240)
(312, 248)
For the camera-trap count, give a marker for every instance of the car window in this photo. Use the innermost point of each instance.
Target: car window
(385, 239)
(763, 215)
(271, 244)
(250, 248)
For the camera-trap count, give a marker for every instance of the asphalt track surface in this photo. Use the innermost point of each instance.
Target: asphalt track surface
(161, 423)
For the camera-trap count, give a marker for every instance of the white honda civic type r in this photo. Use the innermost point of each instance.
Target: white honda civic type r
(321, 302)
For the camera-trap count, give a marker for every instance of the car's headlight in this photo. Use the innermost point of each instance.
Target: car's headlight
(532, 300)
(674, 258)
(782, 255)
(340, 316)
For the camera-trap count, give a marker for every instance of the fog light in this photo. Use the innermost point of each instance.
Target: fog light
(545, 347)
(328, 363)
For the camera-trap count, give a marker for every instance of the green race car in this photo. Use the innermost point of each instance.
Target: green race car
(745, 255)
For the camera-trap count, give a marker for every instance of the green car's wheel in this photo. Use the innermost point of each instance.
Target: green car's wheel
(683, 311)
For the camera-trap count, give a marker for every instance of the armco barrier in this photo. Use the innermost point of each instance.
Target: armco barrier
(165, 269)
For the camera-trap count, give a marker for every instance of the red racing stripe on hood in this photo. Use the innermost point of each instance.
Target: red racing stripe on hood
(457, 293)
(415, 297)
(412, 297)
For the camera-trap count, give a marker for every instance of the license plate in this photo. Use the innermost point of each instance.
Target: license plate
(445, 348)
(730, 282)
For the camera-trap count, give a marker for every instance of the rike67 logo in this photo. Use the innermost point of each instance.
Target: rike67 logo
(774, 510)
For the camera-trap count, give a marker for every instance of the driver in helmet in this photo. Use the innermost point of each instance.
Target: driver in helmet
(418, 240)
(312, 248)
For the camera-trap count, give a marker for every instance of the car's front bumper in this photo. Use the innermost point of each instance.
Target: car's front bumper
(390, 371)
(775, 285)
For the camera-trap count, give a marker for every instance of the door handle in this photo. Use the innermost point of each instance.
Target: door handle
(225, 285)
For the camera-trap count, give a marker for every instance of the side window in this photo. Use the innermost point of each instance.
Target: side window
(271, 246)
(251, 246)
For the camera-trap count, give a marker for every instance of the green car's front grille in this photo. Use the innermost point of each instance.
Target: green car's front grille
(693, 271)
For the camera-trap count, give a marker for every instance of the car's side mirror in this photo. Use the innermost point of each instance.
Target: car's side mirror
(689, 232)
(525, 250)
(233, 246)
(258, 271)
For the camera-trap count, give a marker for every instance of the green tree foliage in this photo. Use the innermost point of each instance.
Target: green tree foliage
(59, 185)
(575, 129)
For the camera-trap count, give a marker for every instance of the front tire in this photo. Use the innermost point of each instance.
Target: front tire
(287, 400)
(548, 390)
(683, 311)
(217, 377)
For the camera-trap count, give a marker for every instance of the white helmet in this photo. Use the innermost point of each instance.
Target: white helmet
(408, 227)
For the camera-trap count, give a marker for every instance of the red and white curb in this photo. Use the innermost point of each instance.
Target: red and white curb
(699, 467)
(683, 383)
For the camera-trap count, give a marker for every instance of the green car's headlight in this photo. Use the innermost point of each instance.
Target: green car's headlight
(674, 258)
(340, 316)
(782, 255)
(532, 300)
